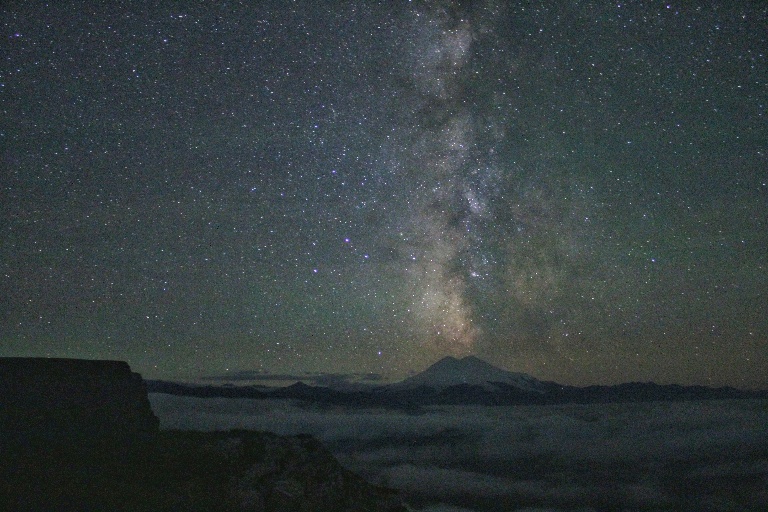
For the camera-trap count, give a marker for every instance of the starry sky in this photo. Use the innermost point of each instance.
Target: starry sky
(575, 190)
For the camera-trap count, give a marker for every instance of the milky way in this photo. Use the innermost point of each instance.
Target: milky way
(464, 199)
(441, 224)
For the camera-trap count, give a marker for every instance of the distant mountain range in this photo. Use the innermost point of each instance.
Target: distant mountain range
(462, 382)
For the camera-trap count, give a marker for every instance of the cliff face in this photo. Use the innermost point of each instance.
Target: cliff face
(75, 403)
(80, 435)
(241, 471)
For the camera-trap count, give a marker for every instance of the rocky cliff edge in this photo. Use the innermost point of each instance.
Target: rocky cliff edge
(80, 435)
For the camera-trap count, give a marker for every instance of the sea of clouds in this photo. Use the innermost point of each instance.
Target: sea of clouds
(701, 455)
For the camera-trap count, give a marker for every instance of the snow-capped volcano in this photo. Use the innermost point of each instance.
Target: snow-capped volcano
(450, 371)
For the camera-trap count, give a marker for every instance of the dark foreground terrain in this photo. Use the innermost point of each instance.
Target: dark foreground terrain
(190, 471)
(81, 435)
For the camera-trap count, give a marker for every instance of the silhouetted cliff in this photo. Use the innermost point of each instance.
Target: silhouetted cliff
(73, 403)
(80, 435)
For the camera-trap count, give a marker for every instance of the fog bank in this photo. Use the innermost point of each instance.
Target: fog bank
(706, 455)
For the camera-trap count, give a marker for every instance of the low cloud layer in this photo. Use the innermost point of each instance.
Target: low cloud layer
(590, 457)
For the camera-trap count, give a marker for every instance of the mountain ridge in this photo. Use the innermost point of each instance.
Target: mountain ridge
(466, 381)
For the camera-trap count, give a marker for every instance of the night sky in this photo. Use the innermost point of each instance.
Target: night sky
(575, 190)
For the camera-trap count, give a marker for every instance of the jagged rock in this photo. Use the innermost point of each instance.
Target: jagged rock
(80, 435)
(261, 471)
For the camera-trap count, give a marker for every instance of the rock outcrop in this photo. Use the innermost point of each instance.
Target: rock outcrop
(259, 471)
(73, 403)
(80, 435)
